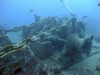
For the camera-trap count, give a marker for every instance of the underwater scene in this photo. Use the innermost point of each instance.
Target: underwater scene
(49, 37)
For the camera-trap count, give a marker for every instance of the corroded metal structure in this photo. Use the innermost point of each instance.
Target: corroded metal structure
(42, 39)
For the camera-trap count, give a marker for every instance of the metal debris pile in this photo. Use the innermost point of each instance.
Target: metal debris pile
(42, 40)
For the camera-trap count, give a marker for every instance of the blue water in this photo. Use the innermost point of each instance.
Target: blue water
(17, 12)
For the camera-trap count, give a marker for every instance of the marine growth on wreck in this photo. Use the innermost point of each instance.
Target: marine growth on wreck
(50, 46)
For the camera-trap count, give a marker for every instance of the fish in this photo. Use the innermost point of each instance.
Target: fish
(31, 10)
(98, 4)
(84, 17)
